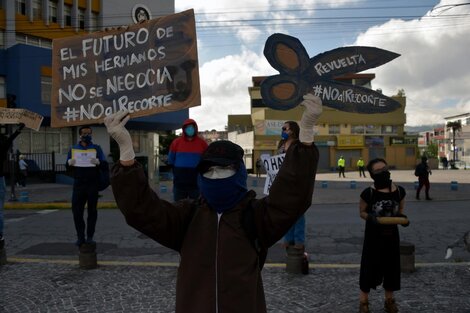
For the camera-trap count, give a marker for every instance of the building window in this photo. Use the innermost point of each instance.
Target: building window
(410, 151)
(46, 140)
(20, 7)
(81, 18)
(372, 129)
(52, 11)
(3, 88)
(37, 9)
(333, 129)
(68, 15)
(389, 129)
(46, 89)
(95, 21)
(357, 129)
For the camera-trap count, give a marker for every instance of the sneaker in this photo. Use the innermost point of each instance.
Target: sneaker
(79, 242)
(364, 307)
(390, 306)
(90, 241)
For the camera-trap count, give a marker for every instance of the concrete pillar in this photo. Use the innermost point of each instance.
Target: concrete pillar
(407, 257)
(87, 256)
(3, 253)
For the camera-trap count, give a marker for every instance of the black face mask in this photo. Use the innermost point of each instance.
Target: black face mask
(382, 180)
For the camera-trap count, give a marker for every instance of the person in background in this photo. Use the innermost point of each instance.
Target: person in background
(184, 155)
(295, 237)
(341, 166)
(23, 170)
(5, 145)
(423, 171)
(258, 167)
(222, 237)
(380, 260)
(85, 158)
(361, 167)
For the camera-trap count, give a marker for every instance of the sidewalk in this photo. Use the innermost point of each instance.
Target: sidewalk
(329, 188)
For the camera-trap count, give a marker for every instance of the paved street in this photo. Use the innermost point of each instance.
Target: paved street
(136, 274)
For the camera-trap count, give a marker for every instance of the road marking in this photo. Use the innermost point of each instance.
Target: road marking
(176, 264)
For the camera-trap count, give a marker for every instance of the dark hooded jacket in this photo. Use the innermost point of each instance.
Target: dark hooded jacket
(184, 156)
(220, 266)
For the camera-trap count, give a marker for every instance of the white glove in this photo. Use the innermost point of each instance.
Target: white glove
(115, 126)
(95, 161)
(313, 109)
(71, 162)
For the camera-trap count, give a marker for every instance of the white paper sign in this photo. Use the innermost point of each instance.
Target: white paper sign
(272, 164)
(83, 157)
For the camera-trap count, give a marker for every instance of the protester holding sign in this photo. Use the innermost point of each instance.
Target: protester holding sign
(5, 145)
(85, 158)
(185, 153)
(295, 237)
(223, 237)
(380, 261)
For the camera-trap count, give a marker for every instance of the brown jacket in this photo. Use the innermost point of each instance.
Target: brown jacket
(219, 264)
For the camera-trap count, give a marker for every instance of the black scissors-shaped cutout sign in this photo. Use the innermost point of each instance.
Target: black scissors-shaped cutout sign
(299, 75)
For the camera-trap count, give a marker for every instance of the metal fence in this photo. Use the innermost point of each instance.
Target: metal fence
(41, 166)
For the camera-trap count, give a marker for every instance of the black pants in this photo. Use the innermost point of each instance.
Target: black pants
(85, 192)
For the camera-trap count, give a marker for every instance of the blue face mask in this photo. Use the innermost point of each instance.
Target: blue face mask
(86, 139)
(284, 135)
(189, 130)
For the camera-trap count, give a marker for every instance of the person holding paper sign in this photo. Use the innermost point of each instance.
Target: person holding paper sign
(85, 158)
(5, 145)
(223, 236)
(380, 261)
(295, 237)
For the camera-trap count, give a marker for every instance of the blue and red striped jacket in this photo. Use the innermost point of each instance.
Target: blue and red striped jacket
(185, 153)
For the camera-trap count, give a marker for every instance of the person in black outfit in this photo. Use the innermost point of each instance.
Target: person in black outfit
(85, 185)
(423, 171)
(5, 145)
(380, 261)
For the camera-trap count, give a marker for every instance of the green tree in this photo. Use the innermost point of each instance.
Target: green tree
(456, 128)
(432, 150)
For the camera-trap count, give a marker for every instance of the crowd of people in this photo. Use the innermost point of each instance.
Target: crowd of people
(221, 229)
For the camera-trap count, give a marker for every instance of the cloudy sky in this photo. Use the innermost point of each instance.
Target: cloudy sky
(431, 36)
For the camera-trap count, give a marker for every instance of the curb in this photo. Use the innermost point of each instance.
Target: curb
(53, 205)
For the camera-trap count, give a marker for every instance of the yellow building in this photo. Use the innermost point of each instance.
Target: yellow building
(351, 135)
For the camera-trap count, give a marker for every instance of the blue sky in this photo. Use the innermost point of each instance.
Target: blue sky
(431, 37)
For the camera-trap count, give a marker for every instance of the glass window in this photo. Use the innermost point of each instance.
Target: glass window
(357, 129)
(3, 88)
(81, 18)
(37, 9)
(68, 15)
(46, 89)
(52, 11)
(20, 7)
(372, 129)
(389, 129)
(95, 21)
(333, 129)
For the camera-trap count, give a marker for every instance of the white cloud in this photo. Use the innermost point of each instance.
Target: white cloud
(433, 66)
(224, 88)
